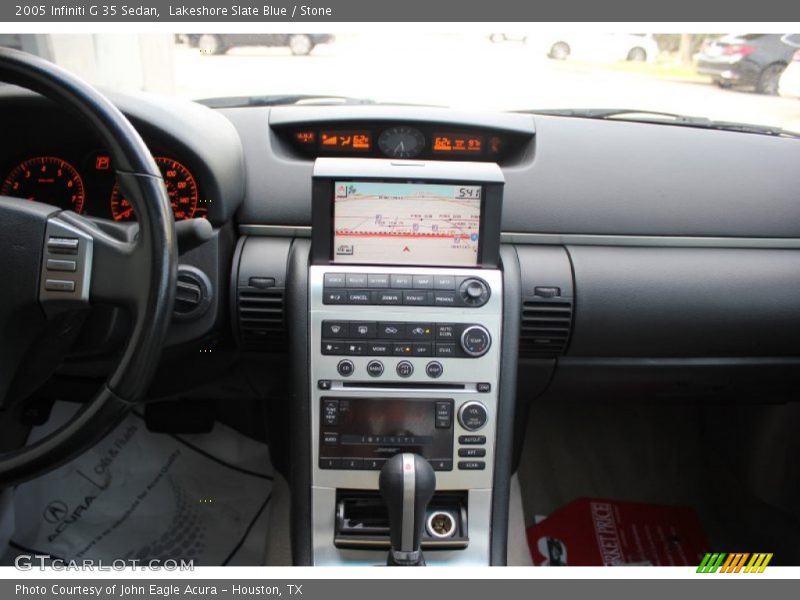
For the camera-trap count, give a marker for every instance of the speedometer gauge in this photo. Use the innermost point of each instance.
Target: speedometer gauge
(181, 187)
(46, 179)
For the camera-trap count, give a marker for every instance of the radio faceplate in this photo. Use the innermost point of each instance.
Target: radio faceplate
(467, 384)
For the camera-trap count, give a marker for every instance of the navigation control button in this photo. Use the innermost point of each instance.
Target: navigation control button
(334, 280)
(356, 280)
(375, 368)
(474, 292)
(384, 297)
(358, 297)
(378, 280)
(434, 369)
(401, 281)
(423, 282)
(472, 416)
(444, 298)
(405, 368)
(334, 297)
(416, 298)
(444, 282)
(345, 368)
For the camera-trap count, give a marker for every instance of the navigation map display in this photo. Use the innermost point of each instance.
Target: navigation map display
(406, 223)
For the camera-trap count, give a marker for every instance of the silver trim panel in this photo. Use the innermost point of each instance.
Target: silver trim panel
(462, 171)
(576, 239)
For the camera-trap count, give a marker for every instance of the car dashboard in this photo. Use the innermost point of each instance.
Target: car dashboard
(614, 260)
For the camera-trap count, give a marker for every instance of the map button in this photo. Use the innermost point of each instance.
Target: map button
(423, 282)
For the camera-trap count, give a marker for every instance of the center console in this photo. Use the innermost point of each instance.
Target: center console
(405, 297)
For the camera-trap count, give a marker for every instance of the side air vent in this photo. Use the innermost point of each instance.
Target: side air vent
(261, 319)
(548, 300)
(544, 327)
(259, 294)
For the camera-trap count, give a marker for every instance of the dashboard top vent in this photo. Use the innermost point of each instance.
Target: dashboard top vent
(545, 325)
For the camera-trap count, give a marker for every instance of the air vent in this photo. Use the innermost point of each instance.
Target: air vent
(545, 327)
(192, 294)
(261, 319)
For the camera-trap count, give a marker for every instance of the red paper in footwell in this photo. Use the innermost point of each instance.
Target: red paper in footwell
(594, 532)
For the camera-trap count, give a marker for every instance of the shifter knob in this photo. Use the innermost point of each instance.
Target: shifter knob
(407, 483)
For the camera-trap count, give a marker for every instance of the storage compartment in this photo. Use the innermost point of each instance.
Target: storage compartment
(685, 302)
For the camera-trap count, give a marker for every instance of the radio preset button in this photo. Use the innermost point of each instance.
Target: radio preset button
(375, 368)
(330, 412)
(354, 464)
(442, 465)
(472, 416)
(404, 368)
(472, 439)
(472, 452)
(345, 368)
(471, 465)
(434, 369)
(330, 463)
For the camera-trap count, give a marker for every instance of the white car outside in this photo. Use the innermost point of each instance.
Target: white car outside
(602, 47)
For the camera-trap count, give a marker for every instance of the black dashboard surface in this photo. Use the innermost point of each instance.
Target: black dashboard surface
(574, 176)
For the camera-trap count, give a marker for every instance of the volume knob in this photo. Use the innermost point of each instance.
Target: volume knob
(476, 340)
(474, 292)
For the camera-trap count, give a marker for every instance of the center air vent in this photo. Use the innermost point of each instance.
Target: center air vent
(544, 327)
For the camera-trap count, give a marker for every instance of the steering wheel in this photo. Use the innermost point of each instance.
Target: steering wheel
(55, 264)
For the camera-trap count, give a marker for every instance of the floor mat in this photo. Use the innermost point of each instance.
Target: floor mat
(142, 495)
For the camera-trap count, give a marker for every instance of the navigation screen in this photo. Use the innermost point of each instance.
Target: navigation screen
(406, 223)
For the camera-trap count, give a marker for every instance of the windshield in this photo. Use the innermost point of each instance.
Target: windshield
(743, 77)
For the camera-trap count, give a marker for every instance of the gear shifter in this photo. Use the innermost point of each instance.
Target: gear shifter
(407, 483)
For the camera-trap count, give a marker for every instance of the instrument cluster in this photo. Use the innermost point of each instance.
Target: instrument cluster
(85, 182)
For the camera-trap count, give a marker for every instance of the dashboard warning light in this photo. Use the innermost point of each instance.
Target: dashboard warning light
(102, 162)
(304, 137)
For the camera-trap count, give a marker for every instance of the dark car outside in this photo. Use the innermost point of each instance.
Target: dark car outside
(751, 60)
(300, 44)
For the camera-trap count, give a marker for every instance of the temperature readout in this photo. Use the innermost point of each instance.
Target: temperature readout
(455, 143)
(345, 140)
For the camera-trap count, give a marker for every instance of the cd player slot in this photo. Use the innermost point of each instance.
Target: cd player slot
(400, 385)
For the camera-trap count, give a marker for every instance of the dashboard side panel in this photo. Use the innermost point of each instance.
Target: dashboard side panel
(612, 177)
(685, 302)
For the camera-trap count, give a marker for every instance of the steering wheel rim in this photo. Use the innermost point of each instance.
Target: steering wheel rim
(153, 257)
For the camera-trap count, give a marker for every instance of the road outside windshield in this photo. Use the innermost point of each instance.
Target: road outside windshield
(745, 77)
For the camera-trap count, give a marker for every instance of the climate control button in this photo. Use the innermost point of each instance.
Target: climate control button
(476, 340)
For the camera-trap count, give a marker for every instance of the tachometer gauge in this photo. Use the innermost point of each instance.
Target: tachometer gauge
(46, 179)
(181, 187)
(401, 142)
